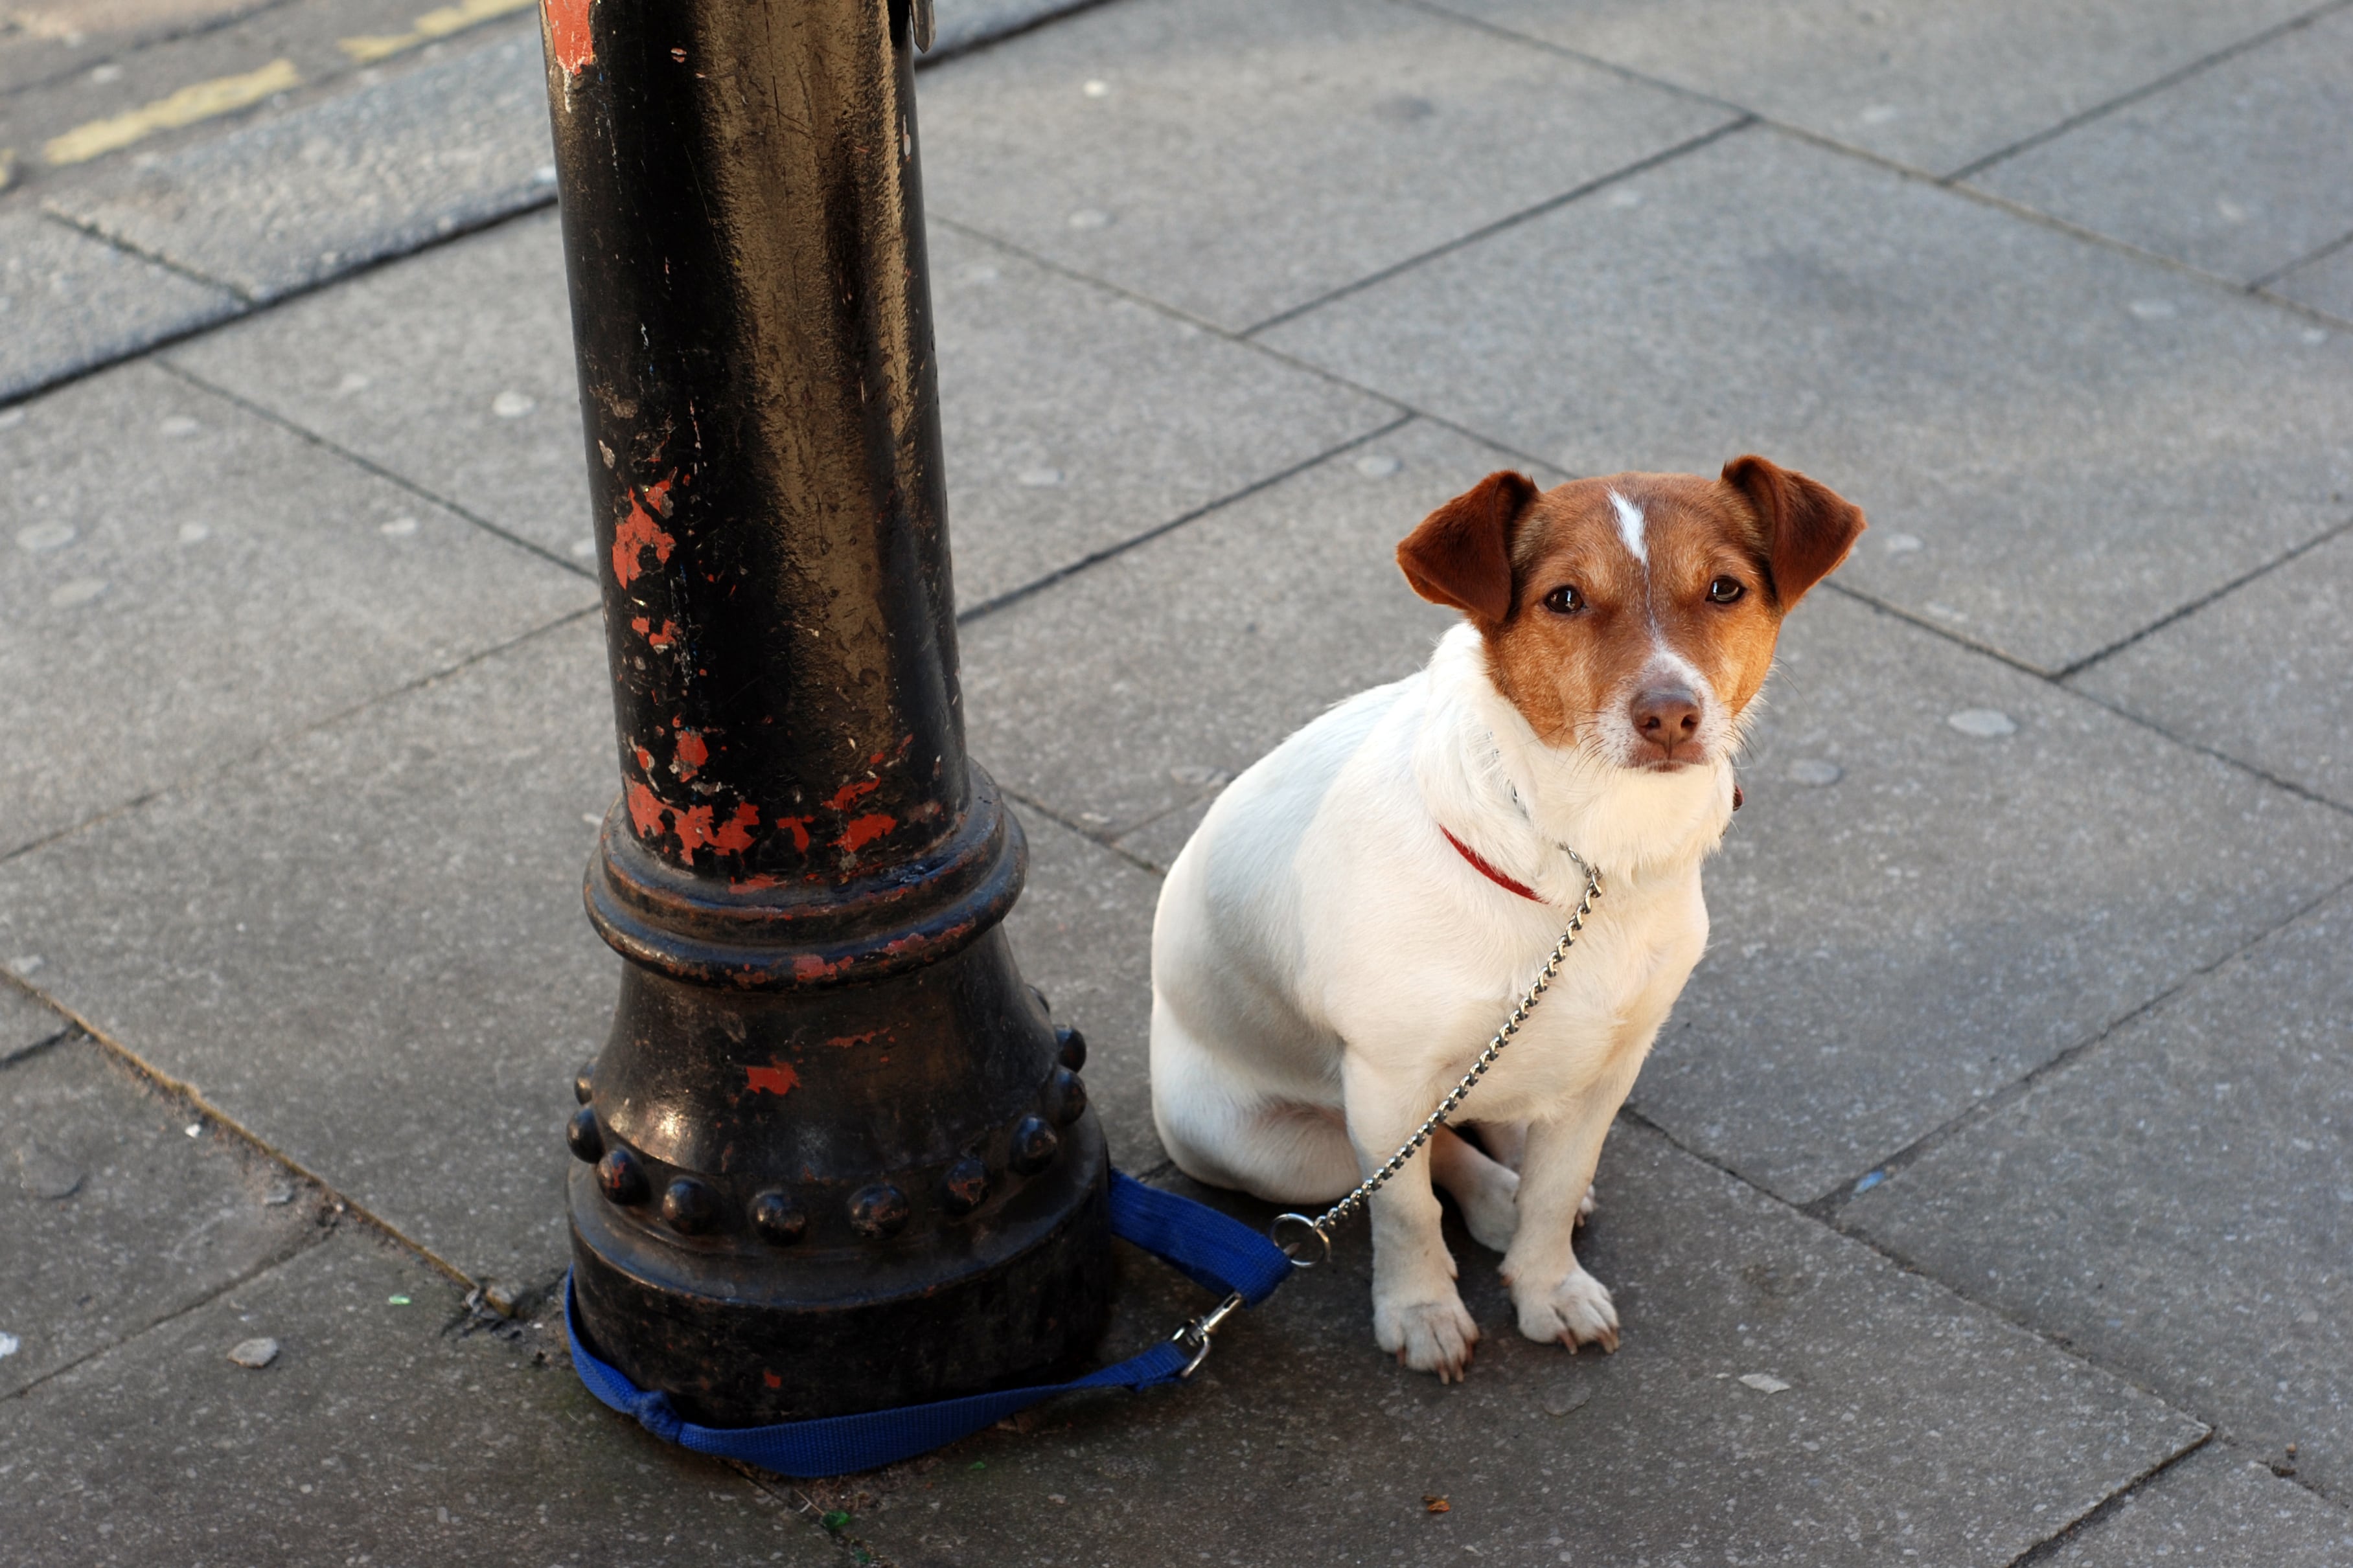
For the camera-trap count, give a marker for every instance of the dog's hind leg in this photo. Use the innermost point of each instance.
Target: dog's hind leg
(1218, 1132)
(1486, 1189)
(1506, 1142)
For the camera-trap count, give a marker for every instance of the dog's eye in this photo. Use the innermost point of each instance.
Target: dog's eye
(1564, 600)
(1723, 590)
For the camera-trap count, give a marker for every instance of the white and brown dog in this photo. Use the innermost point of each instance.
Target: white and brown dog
(1360, 909)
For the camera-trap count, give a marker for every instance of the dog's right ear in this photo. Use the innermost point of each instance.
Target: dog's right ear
(1461, 553)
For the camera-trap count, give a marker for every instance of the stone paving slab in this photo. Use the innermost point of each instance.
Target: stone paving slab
(1954, 911)
(1237, 160)
(131, 1217)
(27, 1023)
(38, 105)
(2216, 1507)
(1888, 950)
(1139, 686)
(2243, 169)
(1936, 84)
(2057, 443)
(2259, 675)
(2177, 1203)
(68, 301)
(1077, 419)
(1906, 1425)
(1082, 934)
(1074, 419)
(287, 203)
(366, 945)
(961, 25)
(382, 1432)
(2325, 283)
(1158, 841)
(187, 580)
(479, 407)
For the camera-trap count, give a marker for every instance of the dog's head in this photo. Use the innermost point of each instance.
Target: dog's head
(1633, 617)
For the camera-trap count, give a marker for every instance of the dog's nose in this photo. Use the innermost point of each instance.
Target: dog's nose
(1667, 718)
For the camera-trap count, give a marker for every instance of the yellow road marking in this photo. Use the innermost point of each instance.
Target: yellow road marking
(186, 107)
(438, 24)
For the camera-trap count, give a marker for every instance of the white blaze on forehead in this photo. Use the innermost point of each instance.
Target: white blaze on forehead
(1630, 527)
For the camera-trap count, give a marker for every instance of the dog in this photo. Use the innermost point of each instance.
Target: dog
(1360, 909)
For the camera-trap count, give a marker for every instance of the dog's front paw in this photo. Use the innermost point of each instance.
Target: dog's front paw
(1427, 1336)
(1575, 1312)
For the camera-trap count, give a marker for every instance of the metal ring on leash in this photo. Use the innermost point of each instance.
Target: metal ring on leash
(1291, 1250)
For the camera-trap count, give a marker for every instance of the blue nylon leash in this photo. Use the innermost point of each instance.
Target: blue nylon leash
(1203, 1245)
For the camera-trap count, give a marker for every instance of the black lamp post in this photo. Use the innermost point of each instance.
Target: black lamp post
(834, 1155)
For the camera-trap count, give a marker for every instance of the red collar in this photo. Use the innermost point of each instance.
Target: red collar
(1484, 869)
(1512, 884)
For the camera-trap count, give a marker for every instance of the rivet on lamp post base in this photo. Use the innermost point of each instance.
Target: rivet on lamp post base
(834, 1156)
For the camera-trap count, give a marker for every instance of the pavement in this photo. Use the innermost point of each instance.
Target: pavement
(1988, 1198)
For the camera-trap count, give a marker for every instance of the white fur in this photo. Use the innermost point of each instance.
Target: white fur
(1631, 523)
(1325, 964)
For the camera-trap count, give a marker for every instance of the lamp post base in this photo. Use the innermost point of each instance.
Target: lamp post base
(739, 1337)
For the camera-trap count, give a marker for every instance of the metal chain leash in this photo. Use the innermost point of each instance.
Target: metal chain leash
(1195, 1336)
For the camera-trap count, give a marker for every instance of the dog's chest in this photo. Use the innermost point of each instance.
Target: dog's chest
(1417, 998)
(1611, 988)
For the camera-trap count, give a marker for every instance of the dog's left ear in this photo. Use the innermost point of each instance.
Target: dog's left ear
(1461, 553)
(1808, 527)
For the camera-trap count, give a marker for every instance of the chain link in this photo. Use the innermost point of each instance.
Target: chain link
(1322, 1224)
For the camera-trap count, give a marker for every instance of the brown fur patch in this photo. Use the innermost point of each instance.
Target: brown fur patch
(1502, 552)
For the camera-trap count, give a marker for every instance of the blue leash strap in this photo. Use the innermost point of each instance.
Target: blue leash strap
(1204, 1246)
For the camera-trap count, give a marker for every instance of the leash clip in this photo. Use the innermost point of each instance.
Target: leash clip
(1195, 1336)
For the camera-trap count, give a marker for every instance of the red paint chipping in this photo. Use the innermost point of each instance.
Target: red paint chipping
(772, 1379)
(809, 966)
(848, 794)
(645, 810)
(798, 828)
(846, 1041)
(734, 834)
(693, 824)
(645, 758)
(691, 753)
(568, 38)
(638, 532)
(776, 1078)
(664, 637)
(866, 830)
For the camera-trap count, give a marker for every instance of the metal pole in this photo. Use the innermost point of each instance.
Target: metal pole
(834, 1155)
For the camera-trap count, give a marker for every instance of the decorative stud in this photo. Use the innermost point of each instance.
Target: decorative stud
(878, 1211)
(966, 1187)
(689, 1206)
(583, 1082)
(618, 1173)
(780, 1221)
(1034, 1145)
(1066, 1097)
(587, 1138)
(1073, 1048)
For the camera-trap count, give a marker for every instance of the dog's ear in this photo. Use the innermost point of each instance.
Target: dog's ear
(1808, 527)
(1461, 553)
